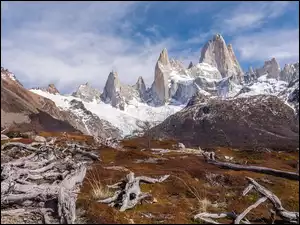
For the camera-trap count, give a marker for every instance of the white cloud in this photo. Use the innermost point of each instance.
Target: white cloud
(283, 44)
(44, 51)
(249, 15)
(73, 43)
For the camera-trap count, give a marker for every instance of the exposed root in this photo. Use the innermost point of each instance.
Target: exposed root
(129, 193)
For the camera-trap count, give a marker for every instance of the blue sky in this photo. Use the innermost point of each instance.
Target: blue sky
(70, 43)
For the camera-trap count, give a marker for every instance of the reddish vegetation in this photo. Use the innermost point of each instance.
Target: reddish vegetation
(176, 202)
(69, 136)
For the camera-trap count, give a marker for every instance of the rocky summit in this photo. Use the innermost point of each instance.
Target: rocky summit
(216, 53)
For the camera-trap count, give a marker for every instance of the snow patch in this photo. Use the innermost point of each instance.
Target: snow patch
(125, 120)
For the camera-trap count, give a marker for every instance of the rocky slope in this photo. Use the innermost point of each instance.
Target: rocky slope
(24, 110)
(252, 122)
(90, 123)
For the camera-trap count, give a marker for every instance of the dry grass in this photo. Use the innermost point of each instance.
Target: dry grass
(203, 203)
(98, 189)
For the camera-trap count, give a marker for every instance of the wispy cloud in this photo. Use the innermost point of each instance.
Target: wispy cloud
(283, 44)
(249, 15)
(44, 52)
(69, 43)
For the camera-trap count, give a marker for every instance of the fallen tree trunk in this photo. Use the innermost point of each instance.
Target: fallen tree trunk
(210, 158)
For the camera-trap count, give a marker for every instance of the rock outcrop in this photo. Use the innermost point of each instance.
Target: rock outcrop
(111, 92)
(160, 86)
(141, 88)
(290, 72)
(118, 94)
(190, 65)
(216, 53)
(52, 89)
(271, 67)
(236, 64)
(178, 66)
(250, 76)
(87, 93)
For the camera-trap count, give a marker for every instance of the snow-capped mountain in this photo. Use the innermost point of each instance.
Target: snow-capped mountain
(87, 93)
(119, 108)
(126, 120)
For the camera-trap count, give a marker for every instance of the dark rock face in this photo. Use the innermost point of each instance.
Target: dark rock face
(253, 122)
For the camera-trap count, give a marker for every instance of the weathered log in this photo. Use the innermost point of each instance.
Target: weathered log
(18, 144)
(257, 169)
(288, 216)
(67, 197)
(88, 154)
(129, 193)
(208, 217)
(243, 214)
(21, 212)
(60, 175)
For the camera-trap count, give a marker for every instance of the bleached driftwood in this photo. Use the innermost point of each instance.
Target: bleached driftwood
(22, 212)
(210, 158)
(67, 196)
(129, 192)
(243, 214)
(18, 144)
(208, 217)
(286, 216)
(292, 217)
(47, 174)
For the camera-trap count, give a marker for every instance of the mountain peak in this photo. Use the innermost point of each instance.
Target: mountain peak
(190, 65)
(52, 89)
(217, 37)
(141, 87)
(140, 79)
(9, 76)
(163, 57)
(216, 53)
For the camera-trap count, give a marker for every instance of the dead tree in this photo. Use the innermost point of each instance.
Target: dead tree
(45, 173)
(210, 158)
(128, 192)
(286, 216)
